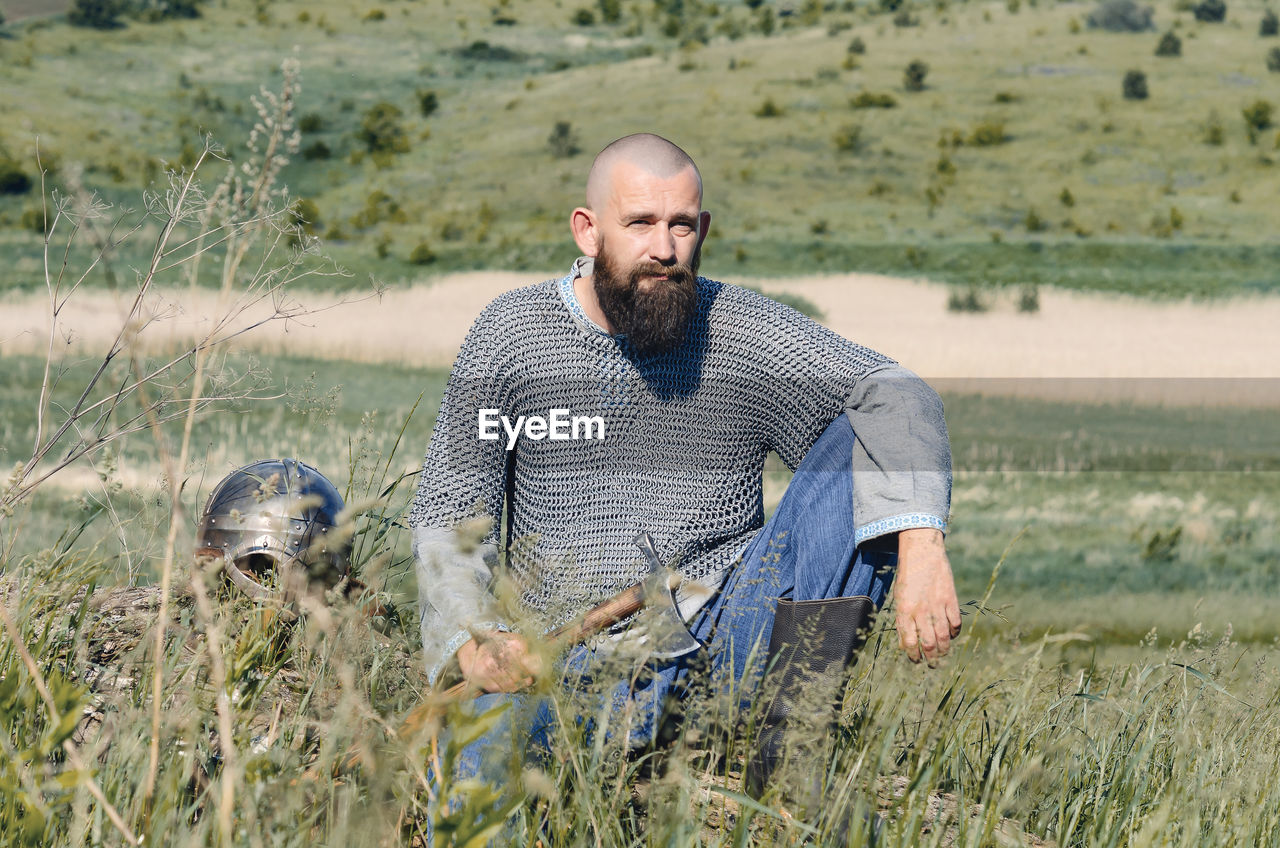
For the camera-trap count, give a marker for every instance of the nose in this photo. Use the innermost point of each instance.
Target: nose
(662, 244)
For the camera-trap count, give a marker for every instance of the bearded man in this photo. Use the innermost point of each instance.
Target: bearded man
(695, 381)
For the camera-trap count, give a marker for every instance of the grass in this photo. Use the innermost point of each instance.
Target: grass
(119, 101)
(1119, 661)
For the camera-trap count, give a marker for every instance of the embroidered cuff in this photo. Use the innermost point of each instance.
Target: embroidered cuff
(457, 641)
(894, 523)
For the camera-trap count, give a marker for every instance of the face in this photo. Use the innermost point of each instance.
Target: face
(647, 245)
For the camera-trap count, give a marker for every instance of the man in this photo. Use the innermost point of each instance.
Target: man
(692, 382)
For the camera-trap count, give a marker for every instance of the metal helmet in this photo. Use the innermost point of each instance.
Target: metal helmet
(270, 515)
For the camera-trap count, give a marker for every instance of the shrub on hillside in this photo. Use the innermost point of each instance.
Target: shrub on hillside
(1214, 133)
(1121, 16)
(422, 254)
(765, 21)
(1134, 86)
(848, 139)
(768, 109)
(381, 130)
(1269, 26)
(311, 122)
(99, 14)
(378, 207)
(967, 300)
(914, 75)
(316, 150)
(904, 18)
(428, 102)
(154, 11)
(563, 141)
(610, 10)
(584, 17)
(483, 51)
(1257, 117)
(35, 220)
(12, 179)
(1170, 45)
(305, 215)
(987, 134)
(1029, 299)
(1273, 60)
(871, 100)
(857, 47)
(1210, 11)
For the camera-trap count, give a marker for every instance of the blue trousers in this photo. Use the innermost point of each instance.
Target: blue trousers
(806, 551)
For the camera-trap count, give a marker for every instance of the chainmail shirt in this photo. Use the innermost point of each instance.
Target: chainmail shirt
(686, 434)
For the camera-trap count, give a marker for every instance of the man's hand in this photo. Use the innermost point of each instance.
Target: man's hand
(498, 662)
(928, 616)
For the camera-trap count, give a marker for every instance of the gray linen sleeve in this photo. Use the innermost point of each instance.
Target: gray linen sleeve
(463, 479)
(902, 456)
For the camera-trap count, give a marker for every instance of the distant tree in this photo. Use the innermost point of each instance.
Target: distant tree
(1210, 11)
(768, 109)
(316, 150)
(1273, 60)
(766, 22)
(913, 76)
(584, 17)
(305, 215)
(610, 10)
(1121, 16)
(159, 10)
(1170, 45)
(1135, 85)
(872, 100)
(857, 47)
(1257, 117)
(381, 130)
(99, 14)
(428, 102)
(12, 179)
(1269, 26)
(848, 139)
(422, 254)
(987, 134)
(563, 141)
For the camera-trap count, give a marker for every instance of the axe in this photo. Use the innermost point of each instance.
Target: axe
(660, 628)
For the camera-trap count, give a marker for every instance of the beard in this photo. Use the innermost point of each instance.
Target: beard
(655, 319)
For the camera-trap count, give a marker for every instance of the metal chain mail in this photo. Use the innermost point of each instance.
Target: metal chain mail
(686, 437)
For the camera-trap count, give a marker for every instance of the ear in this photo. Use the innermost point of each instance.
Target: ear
(585, 231)
(704, 224)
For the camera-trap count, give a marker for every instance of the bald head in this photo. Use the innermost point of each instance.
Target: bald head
(651, 153)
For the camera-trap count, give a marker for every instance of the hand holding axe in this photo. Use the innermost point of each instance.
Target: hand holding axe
(660, 629)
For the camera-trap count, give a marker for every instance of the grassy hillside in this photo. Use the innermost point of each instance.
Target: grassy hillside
(1018, 162)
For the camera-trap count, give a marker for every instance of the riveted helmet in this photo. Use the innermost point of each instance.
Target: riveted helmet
(270, 515)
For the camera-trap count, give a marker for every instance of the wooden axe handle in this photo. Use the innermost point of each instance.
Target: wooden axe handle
(598, 618)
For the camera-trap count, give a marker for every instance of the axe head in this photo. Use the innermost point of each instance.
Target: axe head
(659, 627)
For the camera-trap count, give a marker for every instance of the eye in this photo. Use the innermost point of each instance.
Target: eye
(682, 228)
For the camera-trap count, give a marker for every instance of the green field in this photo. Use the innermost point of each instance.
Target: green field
(1084, 188)
(1119, 622)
